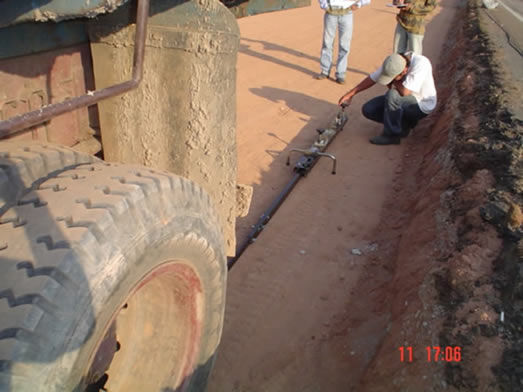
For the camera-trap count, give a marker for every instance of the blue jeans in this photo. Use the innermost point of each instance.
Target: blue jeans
(406, 42)
(344, 25)
(398, 114)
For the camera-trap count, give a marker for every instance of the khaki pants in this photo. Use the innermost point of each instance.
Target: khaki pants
(406, 42)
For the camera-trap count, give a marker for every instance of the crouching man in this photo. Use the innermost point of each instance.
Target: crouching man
(411, 95)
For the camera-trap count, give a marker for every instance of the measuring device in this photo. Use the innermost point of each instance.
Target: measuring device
(304, 164)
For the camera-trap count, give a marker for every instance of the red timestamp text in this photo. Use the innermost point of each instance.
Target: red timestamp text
(432, 354)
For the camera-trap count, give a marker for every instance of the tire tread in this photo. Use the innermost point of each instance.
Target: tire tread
(94, 206)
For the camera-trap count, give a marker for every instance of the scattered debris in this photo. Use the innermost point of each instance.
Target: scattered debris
(490, 4)
(372, 247)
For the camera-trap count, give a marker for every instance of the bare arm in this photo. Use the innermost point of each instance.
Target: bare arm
(398, 85)
(363, 85)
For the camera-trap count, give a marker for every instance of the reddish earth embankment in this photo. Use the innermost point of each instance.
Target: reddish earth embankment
(454, 230)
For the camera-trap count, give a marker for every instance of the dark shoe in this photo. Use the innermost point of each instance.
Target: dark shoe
(321, 76)
(340, 81)
(384, 140)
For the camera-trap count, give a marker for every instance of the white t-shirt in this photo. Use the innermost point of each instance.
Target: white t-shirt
(324, 4)
(420, 81)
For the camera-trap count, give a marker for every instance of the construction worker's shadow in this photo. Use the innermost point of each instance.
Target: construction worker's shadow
(247, 49)
(312, 109)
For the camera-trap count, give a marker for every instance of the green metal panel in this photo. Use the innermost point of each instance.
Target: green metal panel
(241, 8)
(16, 11)
(28, 38)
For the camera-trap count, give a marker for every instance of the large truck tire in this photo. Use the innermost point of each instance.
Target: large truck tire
(112, 277)
(23, 165)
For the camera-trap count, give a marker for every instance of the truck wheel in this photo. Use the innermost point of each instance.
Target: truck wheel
(112, 277)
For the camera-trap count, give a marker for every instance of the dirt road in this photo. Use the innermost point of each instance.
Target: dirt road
(301, 314)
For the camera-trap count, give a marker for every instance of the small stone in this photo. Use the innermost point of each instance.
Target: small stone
(515, 217)
(324, 297)
(339, 228)
(302, 252)
(352, 352)
(373, 247)
(356, 252)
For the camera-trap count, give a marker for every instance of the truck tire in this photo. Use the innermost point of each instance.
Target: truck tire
(112, 277)
(23, 165)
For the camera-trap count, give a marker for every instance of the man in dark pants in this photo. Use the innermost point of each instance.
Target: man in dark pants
(411, 95)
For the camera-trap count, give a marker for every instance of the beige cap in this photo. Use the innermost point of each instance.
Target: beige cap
(392, 67)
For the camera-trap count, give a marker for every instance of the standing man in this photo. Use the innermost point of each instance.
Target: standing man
(411, 95)
(411, 25)
(338, 15)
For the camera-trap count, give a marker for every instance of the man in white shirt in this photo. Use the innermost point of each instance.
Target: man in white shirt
(411, 96)
(338, 15)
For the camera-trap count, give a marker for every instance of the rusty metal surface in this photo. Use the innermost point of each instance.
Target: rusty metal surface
(20, 122)
(242, 8)
(16, 11)
(31, 82)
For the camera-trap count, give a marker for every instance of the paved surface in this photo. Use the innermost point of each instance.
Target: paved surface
(505, 25)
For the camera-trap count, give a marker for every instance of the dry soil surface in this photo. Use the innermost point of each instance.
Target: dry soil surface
(357, 265)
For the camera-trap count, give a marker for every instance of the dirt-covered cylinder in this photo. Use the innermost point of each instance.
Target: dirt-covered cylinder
(182, 117)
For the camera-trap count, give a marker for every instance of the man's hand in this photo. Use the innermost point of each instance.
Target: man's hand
(346, 99)
(407, 5)
(397, 84)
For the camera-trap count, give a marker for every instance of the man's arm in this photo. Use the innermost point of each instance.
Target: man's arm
(398, 85)
(363, 85)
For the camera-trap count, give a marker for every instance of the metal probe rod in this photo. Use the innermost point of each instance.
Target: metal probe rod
(265, 218)
(300, 171)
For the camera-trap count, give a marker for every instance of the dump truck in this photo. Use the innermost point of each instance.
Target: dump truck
(118, 193)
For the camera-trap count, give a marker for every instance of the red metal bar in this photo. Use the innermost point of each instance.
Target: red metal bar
(23, 121)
